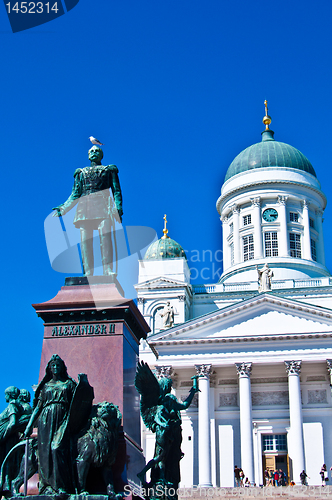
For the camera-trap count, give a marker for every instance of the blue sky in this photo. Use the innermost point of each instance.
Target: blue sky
(175, 89)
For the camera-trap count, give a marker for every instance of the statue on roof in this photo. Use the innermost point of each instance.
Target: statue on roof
(265, 276)
(168, 315)
(160, 411)
(97, 209)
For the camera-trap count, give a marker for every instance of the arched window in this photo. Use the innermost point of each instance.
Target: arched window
(157, 319)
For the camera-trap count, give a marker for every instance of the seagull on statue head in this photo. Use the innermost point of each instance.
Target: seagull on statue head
(95, 141)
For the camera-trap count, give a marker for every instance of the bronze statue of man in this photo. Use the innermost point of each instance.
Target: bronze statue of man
(96, 210)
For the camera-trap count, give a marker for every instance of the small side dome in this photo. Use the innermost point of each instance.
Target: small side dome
(165, 248)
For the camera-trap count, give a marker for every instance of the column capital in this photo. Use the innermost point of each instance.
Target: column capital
(282, 200)
(235, 209)
(256, 201)
(319, 212)
(329, 365)
(164, 371)
(305, 203)
(204, 370)
(140, 300)
(293, 367)
(243, 369)
(224, 219)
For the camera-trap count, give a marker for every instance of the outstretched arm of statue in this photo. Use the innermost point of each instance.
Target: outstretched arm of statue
(34, 416)
(73, 198)
(192, 392)
(183, 405)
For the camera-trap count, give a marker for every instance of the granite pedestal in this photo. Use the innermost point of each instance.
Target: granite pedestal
(96, 331)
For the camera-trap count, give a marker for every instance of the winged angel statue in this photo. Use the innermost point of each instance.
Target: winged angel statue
(160, 411)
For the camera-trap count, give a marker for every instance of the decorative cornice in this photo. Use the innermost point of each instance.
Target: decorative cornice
(293, 367)
(258, 338)
(243, 369)
(245, 187)
(163, 371)
(204, 370)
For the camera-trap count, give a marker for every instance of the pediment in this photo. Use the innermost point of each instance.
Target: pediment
(160, 282)
(264, 315)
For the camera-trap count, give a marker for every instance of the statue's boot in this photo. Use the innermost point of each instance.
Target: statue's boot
(87, 250)
(106, 247)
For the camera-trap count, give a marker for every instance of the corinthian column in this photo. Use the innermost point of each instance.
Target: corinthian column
(320, 250)
(225, 246)
(295, 434)
(258, 240)
(236, 233)
(247, 454)
(329, 367)
(164, 371)
(204, 434)
(283, 240)
(306, 231)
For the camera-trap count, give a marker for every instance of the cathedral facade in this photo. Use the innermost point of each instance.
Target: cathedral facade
(261, 338)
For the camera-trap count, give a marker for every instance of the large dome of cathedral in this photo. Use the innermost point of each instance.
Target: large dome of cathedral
(269, 153)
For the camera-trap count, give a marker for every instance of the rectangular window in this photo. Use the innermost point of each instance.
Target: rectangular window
(232, 254)
(295, 245)
(271, 244)
(231, 228)
(311, 223)
(246, 220)
(313, 250)
(248, 247)
(293, 216)
(274, 442)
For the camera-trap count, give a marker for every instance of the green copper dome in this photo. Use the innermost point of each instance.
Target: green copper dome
(269, 153)
(165, 248)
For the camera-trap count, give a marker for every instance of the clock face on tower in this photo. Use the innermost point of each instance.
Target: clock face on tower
(270, 215)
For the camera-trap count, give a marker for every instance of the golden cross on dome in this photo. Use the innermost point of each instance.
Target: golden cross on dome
(165, 231)
(267, 119)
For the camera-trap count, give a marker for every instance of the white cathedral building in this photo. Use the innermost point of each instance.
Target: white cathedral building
(264, 353)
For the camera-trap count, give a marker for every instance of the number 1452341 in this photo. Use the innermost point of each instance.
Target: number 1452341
(32, 7)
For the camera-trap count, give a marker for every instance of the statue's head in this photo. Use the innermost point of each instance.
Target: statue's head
(11, 392)
(56, 364)
(108, 411)
(165, 384)
(24, 396)
(96, 154)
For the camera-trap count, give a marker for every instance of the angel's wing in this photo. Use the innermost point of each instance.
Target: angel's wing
(148, 387)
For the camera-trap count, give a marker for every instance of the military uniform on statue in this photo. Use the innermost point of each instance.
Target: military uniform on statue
(97, 209)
